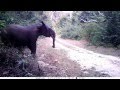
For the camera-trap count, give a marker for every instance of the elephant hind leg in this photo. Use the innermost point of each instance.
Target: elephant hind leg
(32, 47)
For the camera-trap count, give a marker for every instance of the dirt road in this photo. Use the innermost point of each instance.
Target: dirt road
(87, 60)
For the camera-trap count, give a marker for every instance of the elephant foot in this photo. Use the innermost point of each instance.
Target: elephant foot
(53, 46)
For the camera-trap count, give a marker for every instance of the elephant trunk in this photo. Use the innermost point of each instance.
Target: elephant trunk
(53, 36)
(53, 43)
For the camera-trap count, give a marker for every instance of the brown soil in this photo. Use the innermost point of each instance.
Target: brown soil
(102, 50)
(54, 62)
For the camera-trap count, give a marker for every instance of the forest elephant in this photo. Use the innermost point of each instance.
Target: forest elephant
(18, 35)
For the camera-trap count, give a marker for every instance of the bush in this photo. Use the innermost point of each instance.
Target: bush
(94, 33)
(14, 64)
(67, 29)
(2, 24)
(90, 29)
(9, 59)
(112, 34)
(72, 33)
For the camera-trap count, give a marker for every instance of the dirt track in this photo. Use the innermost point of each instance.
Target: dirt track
(86, 61)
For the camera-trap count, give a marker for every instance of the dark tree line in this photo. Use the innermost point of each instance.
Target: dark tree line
(112, 34)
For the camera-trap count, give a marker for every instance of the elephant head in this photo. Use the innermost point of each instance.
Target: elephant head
(46, 31)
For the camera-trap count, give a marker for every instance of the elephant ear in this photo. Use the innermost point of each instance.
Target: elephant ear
(43, 23)
(39, 26)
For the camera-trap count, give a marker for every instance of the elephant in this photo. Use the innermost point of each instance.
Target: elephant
(20, 36)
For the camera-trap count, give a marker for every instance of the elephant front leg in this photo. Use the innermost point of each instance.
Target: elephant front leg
(53, 43)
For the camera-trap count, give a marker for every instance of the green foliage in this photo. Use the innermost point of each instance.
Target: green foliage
(72, 33)
(69, 30)
(112, 34)
(21, 17)
(99, 27)
(94, 33)
(4, 19)
(2, 24)
(73, 28)
(17, 17)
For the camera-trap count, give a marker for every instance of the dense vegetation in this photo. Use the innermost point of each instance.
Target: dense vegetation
(112, 30)
(99, 27)
(88, 25)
